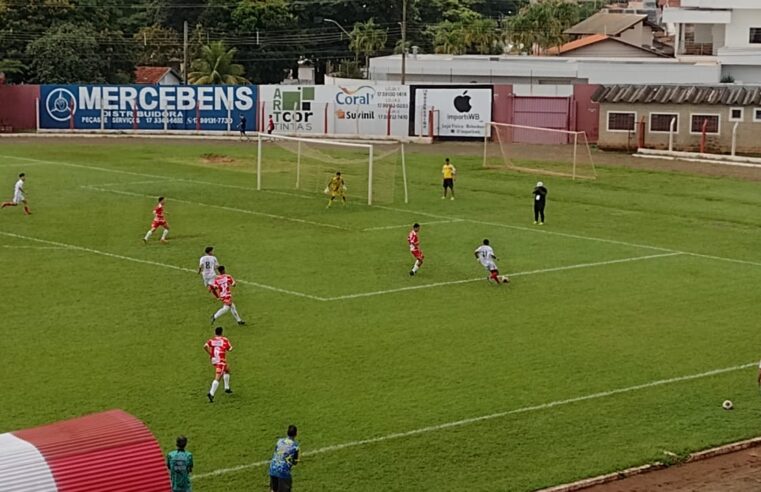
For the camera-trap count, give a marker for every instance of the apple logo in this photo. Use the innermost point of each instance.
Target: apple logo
(462, 103)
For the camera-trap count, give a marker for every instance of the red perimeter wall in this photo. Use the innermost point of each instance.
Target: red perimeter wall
(18, 107)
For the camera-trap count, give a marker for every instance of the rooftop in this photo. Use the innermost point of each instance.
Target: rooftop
(151, 75)
(594, 39)
(739, 95)
(606, 23)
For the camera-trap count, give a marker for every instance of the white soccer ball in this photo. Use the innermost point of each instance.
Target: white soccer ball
(727, 405)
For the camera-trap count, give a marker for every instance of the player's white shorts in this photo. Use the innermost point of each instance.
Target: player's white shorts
(207, 281)
(489, 265)
(18, 197)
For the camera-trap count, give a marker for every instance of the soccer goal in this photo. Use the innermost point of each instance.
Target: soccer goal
(538, 150)
(375, 172)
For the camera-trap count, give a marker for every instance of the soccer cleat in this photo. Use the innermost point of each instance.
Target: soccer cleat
(443, 198)
(228, 391)
(541, 223)
(535, 222)
(241, 322)
(212, 319)
(145, 241)
(164, 241)
(412, 274)
(452, 198)
(210, 397)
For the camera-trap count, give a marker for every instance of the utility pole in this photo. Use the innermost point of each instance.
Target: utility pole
(404, 40)
(185, 53)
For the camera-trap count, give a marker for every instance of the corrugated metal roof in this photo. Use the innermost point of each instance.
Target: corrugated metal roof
(107, 451)
(606, 23)
(735, 95)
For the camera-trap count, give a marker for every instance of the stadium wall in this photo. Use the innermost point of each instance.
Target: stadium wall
(18, 107)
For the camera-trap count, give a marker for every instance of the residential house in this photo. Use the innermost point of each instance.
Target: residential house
(634, 29)
(727, 32)
(601, 46)
(157, 76)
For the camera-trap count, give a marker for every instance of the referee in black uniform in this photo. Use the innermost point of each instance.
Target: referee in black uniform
(540, 200)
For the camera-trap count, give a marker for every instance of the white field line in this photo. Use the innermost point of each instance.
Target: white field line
(222, 207)
(516, 274)
(154, 263)
(127, 183)
(400, 226)
(10, 246)
(414, 212)
(483, 418)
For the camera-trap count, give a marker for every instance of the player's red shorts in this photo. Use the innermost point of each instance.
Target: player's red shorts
(159, 223)
(221, 368)
(418, 254)
(226, 300)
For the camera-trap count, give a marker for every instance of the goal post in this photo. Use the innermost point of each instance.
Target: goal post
(305, 165)
(538, 150)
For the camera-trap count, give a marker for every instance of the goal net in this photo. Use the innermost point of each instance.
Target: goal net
(538, 150)
(375, 172)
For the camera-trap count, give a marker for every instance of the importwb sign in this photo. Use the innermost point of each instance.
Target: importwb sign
(147, 107)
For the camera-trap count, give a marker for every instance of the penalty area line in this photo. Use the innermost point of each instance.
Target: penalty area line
(222, 207)
(153, 263)
(484, 418)
(400, 226)
(515, 274)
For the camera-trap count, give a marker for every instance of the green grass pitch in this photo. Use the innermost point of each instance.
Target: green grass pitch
(595, 358)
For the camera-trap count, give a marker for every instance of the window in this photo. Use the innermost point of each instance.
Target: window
(755, 35)
(736, 114)
(712, 126)
(661, 122)
(756, 115)
(621, 122)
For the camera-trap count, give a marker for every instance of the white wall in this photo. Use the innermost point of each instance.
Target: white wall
(738, 32)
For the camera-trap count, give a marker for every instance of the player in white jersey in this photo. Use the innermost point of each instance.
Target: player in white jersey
(485, 255)
(19, 196)
(207, 267)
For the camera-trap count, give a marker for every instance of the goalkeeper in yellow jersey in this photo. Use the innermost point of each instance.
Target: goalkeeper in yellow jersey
(336, 188)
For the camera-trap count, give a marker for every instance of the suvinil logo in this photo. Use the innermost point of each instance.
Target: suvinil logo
(61, 104)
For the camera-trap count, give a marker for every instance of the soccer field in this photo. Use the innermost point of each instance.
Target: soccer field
(631, 315)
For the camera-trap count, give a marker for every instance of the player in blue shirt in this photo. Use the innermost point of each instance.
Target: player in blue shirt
(286, 455)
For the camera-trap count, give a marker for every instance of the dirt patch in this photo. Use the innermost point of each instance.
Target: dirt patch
(217, 159)
(734, 472)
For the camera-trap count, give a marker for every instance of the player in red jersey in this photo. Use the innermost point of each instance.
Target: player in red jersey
(414, 242)
(158, 221)
(217, 349)
(223, 285)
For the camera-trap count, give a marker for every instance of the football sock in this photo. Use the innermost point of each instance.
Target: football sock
(416, 266)
(214, 386)
(26, 210)
(148, 235)
(235, 313)
(165, 234)
(226, 379)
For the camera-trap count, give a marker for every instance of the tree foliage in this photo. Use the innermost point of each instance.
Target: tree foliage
(541, 25)
(67, 53)
(215, 66)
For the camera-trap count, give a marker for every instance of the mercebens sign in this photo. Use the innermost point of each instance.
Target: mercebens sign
(147, 107)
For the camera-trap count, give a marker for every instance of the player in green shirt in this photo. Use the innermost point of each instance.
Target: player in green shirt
(180, 464)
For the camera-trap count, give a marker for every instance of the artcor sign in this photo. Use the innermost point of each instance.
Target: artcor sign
(336, 109)
(454, 112)
(146, 107)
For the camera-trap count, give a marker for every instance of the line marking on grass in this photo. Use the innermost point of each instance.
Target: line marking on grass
(223, 207)
(11, 246)
(515, 274)
(483, 418)
(154, 263)
(383, 228)
(127, 183)
(395, 209)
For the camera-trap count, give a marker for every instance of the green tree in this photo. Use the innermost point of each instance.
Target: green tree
(481, 36)
(215, 66)
(11, 67)
(367, 39)
(449, 38)
(158, 45)
(67, 53)
(540, 25)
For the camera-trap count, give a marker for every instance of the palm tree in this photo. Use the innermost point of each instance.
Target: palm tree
(367, 39)
(9, 67)
(449, 38)
(481, 34)
(215, 66)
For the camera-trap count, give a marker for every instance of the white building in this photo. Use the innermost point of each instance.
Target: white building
(542, 70)
(725, 31)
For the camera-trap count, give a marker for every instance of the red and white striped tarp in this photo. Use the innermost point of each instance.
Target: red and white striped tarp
(110, 451)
